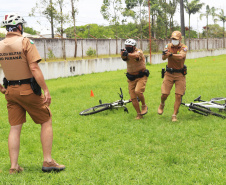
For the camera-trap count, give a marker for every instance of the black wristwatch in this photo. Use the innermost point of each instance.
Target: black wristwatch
(171, 55)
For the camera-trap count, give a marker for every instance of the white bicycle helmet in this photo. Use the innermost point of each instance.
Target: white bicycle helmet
(130, 42)
(12, 19)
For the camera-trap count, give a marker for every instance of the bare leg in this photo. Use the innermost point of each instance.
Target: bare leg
(47, 139)
(141, 97)
(177, 103)
(136, 105)
(163, 98)
(14, 145)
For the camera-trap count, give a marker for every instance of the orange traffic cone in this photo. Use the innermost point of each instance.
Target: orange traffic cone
(91, 94)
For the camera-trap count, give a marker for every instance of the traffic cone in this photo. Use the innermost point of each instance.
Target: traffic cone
(91, 94)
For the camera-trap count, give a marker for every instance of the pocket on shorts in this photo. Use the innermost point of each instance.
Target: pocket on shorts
(26, 92)
(50, 114)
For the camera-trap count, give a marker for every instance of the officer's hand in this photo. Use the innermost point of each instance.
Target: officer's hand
(2, 89)
(47, 98)
(166, 53)
(125, 53)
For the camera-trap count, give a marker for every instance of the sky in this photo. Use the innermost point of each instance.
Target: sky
(89, 12)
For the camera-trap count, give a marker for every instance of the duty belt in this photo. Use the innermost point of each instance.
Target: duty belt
(19, 82)
(172, 70)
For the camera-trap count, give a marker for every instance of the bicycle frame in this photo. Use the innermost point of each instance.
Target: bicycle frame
(209, 104)
(204, 107)
(102, 107)
(119, 103)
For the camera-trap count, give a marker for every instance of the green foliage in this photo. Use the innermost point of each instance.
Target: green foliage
(214, 31)
(30, 31)
(2, 35)
(91, 52)
(50, 54)
(112, 147)
(131, 30)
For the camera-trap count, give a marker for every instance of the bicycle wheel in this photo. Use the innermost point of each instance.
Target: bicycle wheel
(95, 109)
(204, 111)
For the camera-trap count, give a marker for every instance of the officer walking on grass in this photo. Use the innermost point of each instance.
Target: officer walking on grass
(19, 60)
(137, 75)
(175, 73)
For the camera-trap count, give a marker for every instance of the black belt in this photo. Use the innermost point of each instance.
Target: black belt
(171, 70)
(20, 82)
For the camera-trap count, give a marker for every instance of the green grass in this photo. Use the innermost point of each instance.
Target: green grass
(112, 147)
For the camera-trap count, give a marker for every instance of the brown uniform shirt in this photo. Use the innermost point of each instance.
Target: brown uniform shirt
(180, 49)
(16, 54)
(136, 64)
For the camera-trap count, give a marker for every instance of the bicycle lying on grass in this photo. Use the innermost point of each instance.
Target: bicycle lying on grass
(102, 107)
(204, 107)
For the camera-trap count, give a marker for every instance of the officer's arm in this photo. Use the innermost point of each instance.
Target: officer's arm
(182, 55)
(134, 55)
(164, 57)
(178, 57)
(37, 73)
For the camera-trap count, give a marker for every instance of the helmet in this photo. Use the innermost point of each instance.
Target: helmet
(12, 19)
(130, 42)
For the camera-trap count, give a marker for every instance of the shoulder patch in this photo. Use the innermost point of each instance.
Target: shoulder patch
(31, 41)
(185, 48)
(166, 46)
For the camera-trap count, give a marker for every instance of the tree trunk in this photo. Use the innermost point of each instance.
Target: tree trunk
(182, 17)
(51, 21)
(207, 30)
(223, 37)
(189, 47)
(73, 16)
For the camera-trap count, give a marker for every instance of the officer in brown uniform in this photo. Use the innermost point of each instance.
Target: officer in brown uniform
(19, 60)
(137, 75)
(175, 73)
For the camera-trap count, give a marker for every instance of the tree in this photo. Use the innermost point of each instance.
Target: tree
(222, 18)
(30, 31)
(209, 12)
(192, 8)
(74, 11)
(111, 10)
(155, 10)
(182, 17)
(62, 18)
(46, 8)
(171, 11)
(137, 9)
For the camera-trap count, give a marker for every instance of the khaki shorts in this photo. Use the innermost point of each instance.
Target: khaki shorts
(21, 99)
(177, 78)
(137, 86)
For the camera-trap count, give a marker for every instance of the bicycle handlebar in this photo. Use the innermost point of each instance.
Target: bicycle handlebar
(121, 95)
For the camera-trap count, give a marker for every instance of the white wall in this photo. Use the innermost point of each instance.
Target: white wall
(53, 70)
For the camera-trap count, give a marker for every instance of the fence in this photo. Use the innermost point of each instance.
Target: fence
(50, 48)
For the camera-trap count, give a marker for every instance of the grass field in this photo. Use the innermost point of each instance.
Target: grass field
(112, 147)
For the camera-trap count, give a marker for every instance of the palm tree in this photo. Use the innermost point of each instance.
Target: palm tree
(222, 18)
(171, 11)
(209, 12)
(192, 8)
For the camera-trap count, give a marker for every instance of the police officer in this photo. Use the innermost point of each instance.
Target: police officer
(19, 61)
(175, 73)
(137, 75)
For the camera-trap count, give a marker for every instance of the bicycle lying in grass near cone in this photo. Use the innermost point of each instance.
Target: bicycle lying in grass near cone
(102, 107)
(204, 107)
